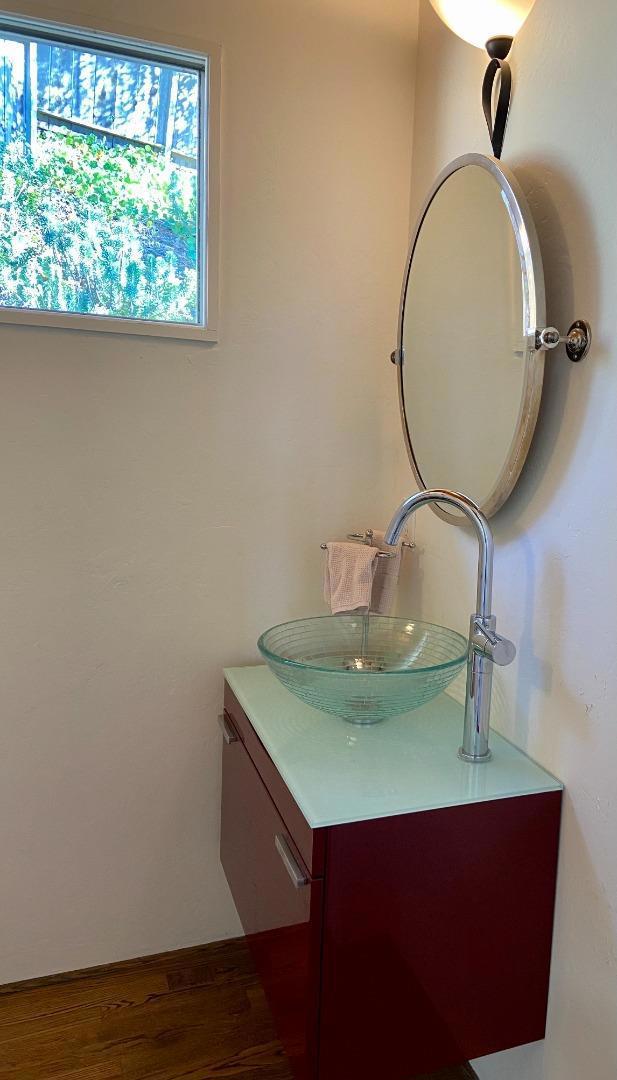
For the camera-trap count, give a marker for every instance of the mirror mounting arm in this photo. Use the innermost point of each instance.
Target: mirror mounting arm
(577, 341)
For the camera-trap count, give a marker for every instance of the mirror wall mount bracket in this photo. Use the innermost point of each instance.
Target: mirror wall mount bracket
(577, 341)
(498, 49)
(397, 357)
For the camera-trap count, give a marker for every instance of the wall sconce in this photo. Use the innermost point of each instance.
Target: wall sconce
(490, 25)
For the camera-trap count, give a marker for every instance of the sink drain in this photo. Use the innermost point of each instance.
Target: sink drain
(361, 663)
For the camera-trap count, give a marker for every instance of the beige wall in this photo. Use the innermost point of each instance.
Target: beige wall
(162, 503)
(556, 576)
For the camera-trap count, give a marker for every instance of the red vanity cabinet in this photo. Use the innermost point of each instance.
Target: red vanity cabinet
(393, 946)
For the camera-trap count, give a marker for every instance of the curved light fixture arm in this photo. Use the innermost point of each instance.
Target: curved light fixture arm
(498, 49)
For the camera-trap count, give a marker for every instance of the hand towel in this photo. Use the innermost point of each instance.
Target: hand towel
(348, 576)
(386, 576)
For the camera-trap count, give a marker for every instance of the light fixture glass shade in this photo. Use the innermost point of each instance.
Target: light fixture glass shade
(477, 21)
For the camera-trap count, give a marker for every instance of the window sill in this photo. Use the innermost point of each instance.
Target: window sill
(107, 325)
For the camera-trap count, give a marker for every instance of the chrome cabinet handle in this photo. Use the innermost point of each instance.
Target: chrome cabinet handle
(229, 735)
(297, 875)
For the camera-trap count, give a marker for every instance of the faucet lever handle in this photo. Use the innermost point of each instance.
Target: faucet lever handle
(492, 645)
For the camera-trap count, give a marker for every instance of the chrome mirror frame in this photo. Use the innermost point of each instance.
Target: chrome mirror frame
(534, 320)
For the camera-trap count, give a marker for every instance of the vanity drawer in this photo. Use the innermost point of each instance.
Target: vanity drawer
(309, 842)
(279, 904)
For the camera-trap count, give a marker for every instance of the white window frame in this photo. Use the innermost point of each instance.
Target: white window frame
(204, 57)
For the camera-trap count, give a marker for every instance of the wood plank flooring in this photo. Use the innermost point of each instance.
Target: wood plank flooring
(197, 1014)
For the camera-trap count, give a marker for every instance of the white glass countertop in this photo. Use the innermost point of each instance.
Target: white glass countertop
(339, 772)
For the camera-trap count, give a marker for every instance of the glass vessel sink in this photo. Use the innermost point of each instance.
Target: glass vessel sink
(363, 668)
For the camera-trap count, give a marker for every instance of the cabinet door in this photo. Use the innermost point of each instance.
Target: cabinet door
(278, 903)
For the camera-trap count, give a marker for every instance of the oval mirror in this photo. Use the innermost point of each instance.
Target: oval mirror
(470, 378)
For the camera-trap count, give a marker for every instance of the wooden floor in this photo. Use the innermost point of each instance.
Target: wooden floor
(198, 1014)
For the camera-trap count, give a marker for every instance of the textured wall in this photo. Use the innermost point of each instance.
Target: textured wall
(555, 574)
(164, 502)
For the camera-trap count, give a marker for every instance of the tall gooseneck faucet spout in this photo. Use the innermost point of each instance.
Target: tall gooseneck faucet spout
(485, 536)
(486, 647)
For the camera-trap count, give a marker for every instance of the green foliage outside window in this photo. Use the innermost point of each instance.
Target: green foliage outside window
(97, 229)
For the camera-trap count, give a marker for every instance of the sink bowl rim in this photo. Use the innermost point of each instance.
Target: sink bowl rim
(457, 661)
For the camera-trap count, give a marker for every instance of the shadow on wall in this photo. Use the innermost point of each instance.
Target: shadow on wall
(535, 674)
(554, 200)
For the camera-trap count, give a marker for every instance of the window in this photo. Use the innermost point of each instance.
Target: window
(106, 182)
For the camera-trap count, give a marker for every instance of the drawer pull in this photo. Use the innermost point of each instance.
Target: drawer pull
(291, 865)
(229, 734)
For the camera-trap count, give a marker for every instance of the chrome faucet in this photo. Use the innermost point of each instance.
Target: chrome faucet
(486, 647)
